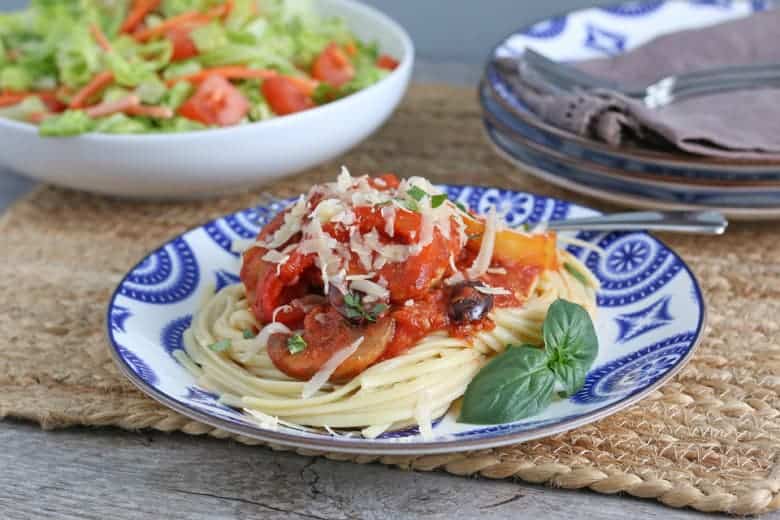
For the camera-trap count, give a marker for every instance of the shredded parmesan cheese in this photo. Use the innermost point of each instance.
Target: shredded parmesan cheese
(281, 308)
(275, 256)
(370, 288)
(366, 276)
(264, 420)
(426, 224)
(260, 341)
(485, 255)
(313, 385)
(292, 224)
(496, 270)
(486, 289)
(422, 414)
(388, 213)
(455, 279)
(344, 180)
(241, 245)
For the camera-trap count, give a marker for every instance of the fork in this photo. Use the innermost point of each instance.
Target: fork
(659, 93)
(702, 222)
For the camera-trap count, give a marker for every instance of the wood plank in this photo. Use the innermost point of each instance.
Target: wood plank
(106, 473)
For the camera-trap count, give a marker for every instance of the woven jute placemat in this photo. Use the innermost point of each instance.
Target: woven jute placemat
(709, 439)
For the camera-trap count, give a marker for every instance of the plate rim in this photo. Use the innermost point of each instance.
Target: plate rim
(370, 446)
(625, 200)
(603, 172)
(697, 183)
(651, 156)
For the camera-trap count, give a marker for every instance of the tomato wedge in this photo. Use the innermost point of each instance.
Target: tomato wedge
(183, 46)
(285, 96)
(386, 62)
(333, 67)
(216, 102)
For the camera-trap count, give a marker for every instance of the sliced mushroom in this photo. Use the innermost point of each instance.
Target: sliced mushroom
(467, 304)
(325, 333)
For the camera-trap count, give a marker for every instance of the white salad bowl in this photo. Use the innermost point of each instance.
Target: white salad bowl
(211, 162)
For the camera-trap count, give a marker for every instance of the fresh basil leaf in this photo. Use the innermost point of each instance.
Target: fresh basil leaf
(221, 345)
(378, 309)
(416, 193)
(513, 385)
(296, 344)
(438, 200)
(576, 274)
(570, 342)
(570, 375)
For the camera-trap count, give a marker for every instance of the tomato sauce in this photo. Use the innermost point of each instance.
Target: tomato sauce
(419, 300)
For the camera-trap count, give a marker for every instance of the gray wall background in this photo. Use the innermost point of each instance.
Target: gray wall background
(460, 31)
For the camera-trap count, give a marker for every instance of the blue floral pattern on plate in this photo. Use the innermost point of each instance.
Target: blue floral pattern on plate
(651, 315)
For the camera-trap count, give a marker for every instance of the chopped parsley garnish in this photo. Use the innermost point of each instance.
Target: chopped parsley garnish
(355, 309)
(221, 345)
(249, 334)
(438, 200)
(296, 344)
(576, 274)
(417, 193)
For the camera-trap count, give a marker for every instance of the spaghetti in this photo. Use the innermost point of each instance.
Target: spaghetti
(429, 353)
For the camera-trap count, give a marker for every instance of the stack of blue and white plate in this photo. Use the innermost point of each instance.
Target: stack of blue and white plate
(633, 177)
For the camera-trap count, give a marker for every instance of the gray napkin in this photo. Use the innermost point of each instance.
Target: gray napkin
(737, 124)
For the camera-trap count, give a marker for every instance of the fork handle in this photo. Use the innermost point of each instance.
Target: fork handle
(661, 95)
(705, 222)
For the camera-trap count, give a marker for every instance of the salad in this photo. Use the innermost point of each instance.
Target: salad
(142, 66)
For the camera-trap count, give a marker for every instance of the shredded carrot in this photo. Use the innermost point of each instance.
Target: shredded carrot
(130, 105)
(156, 112)
(100, 37)
(8, 99)
(113, 107)
(147, 34)
(137, 13)
(97, 85)
(228, 72)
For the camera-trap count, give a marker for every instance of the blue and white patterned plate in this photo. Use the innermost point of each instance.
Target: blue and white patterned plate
(580, 176)
(650, 319)
(606, 31)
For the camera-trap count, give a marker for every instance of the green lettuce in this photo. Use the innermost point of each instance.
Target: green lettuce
(69, 123)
